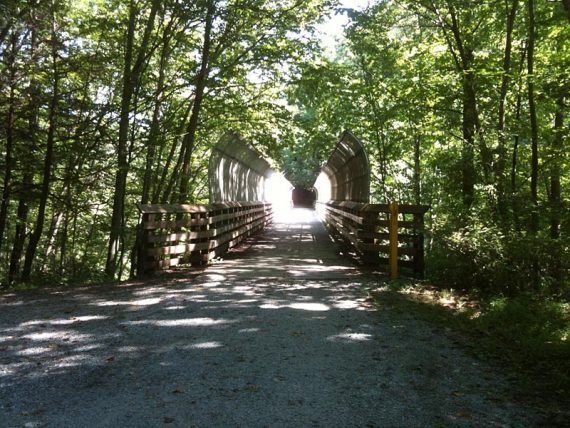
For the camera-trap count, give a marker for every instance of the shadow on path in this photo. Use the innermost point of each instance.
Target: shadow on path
(279, 334)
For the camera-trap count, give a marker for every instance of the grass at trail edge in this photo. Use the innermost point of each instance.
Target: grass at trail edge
(527, 336)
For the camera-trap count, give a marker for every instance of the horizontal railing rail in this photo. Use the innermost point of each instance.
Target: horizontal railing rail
(390, 234)
(178, 234)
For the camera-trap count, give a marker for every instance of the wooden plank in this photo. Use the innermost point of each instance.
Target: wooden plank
(232, 221)
(182, 236)
(349, 236)
(380, 208)
(401, 224)
(198, 246)
(174, 224)
(172, 208)
(402, 263)
(409, 251)
(195, 208)
(236, 215)
(344, 222)
(337, 223)
(354, 218)
(393, 246)
(201, 234)
(419, 246)
(402, 237)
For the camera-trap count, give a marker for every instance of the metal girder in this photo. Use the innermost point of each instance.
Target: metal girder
(236, 171)
(348, 170)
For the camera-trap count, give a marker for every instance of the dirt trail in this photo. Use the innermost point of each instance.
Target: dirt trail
(279, 334)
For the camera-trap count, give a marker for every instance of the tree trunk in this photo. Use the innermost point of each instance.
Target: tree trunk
(501, 137)
(153, 133)
(48, 162)
(63, 245)
(514, 165)
(10, 119)
(566, 5)
(27, 177)
(377, 125)
(470, 121)
(51, 237)
(156, 196)
(557, 153)
(20, 235)
(555, 197)
(534, 220)
(131, 76)
(417, 170)
(122, 166)
(517, 122)
(556, 156)
(201, 80)
(468, 128)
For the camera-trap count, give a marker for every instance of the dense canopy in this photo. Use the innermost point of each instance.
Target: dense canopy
(106, 104)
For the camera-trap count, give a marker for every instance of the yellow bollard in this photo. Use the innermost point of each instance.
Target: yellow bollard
(393, 236)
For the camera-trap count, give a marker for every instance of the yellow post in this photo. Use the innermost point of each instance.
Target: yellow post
(393, 236)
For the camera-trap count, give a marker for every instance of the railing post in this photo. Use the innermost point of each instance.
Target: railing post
(368, 228)
(419, 266)
(144, 263)
(140, 246)
(393, 237)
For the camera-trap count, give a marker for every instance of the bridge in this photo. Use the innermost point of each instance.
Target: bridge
(285, 330)
(242, 204)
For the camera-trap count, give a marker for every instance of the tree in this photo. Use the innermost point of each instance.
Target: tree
(49, 153)
(134, 62)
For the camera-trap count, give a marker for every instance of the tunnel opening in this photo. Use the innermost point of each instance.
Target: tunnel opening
(304, 197)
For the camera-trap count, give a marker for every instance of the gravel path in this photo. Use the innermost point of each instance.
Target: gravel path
(279, 334)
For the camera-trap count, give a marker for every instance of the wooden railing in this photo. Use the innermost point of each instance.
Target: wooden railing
(390, 234)
(178, 234)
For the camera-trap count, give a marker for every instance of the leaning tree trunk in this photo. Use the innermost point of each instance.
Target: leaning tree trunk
(122, 166)
(555, 197)
(501, 137)
(201, 80)
(131, 77)
(534, 216)
(154, 131)
(534, 220)
(463, 57)
(516, 140)
(48, 162)
(555, 190)
(10, 119)
(27, 176)
(468, 128)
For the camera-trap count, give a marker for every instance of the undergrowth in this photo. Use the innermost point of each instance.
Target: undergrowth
(529, 335)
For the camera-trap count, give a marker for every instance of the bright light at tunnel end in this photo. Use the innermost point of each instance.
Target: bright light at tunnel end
(278, 192)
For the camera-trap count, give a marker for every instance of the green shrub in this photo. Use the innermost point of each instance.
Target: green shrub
(490, 261)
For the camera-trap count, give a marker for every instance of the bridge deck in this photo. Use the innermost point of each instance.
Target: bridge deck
(279, 334)
(296, 247)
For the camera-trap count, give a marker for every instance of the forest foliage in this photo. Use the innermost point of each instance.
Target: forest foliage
(109, 103)
(462, 105)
